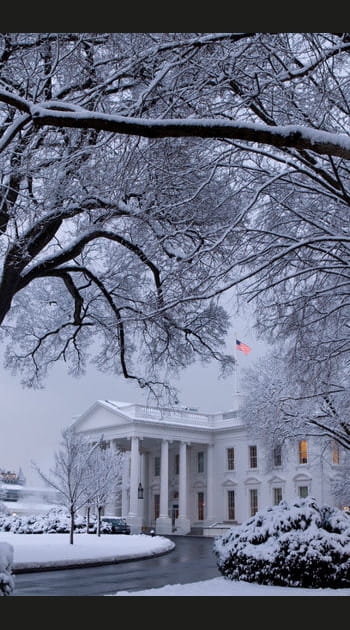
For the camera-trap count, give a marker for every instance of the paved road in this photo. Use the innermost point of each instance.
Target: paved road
(192, 560)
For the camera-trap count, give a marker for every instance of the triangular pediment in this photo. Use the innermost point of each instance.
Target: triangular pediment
(101, 415)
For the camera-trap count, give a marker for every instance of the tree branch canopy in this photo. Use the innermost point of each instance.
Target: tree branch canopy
(144, 175)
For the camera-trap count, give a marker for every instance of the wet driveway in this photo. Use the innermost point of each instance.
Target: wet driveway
(192, 560)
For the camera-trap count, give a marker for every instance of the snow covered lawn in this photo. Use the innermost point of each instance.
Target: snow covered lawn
(45, 550)
(226, 588)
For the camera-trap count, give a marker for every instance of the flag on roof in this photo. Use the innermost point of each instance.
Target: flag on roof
(242, 347)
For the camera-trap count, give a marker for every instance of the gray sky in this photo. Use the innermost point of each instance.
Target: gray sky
(32, 420)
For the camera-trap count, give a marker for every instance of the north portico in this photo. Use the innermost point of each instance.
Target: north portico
(170, 453)
(196, 469)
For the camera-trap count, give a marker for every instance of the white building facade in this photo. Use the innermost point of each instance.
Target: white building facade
(198, 470)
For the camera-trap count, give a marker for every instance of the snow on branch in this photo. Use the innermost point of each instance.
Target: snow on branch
(296, 136)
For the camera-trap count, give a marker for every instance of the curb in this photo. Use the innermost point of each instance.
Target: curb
(23, 567)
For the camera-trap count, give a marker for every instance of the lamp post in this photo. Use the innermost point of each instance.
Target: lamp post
(140, 491)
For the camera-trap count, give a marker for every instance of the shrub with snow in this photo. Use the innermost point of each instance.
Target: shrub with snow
(55, 521)
(7, 583)
(297, 544)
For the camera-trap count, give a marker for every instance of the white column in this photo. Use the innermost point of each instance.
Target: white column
(163, 523)
(133, 518)
(117, 494)
(182, 523)
(125, 484)
(210, 517)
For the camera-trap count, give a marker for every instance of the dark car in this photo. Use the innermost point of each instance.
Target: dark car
(118, 525)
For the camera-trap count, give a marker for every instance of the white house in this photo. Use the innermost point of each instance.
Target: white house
(196, 470)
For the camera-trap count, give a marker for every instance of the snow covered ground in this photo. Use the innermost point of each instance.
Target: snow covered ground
(46, 550)
(54, 549)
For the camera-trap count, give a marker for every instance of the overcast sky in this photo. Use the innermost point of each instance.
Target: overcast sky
(32, 420)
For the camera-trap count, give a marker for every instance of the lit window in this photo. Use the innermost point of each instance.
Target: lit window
(156, 466)
(231, 505)
(230, 459)
(277, 496)
(303, 452)
(335, 453)
(277, 456)
(253, 457)
(303, 491)
(200, 506)
(200, 461)
(253, 501)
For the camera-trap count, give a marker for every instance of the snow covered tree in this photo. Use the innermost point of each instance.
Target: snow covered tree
(69, 475)
(105, 471)
(144, 174)
(279, 405)
(298, 544)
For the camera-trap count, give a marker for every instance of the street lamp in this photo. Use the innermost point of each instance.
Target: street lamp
(140, 491)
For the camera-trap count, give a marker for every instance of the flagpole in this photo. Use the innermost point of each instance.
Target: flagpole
(236, 363)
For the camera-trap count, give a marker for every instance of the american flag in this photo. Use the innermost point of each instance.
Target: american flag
(242, 347)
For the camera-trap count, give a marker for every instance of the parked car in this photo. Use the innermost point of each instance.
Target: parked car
(119, 525)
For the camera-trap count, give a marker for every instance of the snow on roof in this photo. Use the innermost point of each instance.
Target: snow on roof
(117, 403)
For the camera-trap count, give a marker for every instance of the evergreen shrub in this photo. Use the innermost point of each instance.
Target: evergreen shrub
(298, 544)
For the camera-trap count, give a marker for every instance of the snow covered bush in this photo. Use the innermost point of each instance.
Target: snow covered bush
(7, 583)
(297, 544)
(55, 521)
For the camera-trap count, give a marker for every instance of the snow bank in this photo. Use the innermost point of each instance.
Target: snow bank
(6, 561)
(49, 550)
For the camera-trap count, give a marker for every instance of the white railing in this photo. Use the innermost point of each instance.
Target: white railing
(184, 416)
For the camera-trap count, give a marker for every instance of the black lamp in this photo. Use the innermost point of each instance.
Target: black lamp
(140, 491)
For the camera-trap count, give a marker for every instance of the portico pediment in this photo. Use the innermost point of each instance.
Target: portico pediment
(101, 415)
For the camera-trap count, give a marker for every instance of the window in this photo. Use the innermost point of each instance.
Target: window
(277, 496)
(157, 466)
(253, 501)
(335, 453)
(200, 505)
(277, 456)
(200, 461)
(177, 464)
(303, 491)
(156, 505)
(230, 459)
(231, 505)
(303, 452)
(253, 457)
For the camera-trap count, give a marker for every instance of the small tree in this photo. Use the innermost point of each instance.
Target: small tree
(105, 471)
(69, 476)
